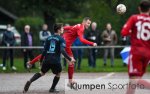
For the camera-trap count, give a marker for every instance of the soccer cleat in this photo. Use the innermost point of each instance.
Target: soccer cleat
(29, 66)
(54, 91)
(14, 68)
(26, 87)
(4, 68)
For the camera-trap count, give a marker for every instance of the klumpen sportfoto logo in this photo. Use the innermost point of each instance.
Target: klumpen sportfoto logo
(111, 86)
(103, 85)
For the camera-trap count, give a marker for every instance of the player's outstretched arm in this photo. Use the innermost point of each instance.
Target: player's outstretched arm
(83, 40)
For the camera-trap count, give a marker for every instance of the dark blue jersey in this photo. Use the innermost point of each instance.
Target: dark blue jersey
(53, 47)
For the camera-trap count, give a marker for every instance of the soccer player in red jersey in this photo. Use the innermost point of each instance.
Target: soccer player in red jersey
(72, 32)
(138, 28)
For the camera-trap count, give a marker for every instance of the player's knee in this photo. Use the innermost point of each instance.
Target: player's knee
(58, 74)
(135, 79)
(136, 75)
(71, 65)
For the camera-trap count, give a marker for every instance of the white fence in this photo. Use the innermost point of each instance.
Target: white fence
(41, 47)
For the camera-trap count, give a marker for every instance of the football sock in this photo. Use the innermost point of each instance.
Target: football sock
(35, 77)
(55, 81)
(70, 71)
(35, 59)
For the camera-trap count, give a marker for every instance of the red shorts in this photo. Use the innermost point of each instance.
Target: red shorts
(137, 65)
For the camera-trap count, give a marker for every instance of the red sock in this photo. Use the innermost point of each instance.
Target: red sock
(70, 71)
(35, 59)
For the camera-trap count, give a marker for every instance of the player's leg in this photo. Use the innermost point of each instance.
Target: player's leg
(56, 69)
(44, 69)
(31, 56)
(145, 83)
(35, 77)
(30, 63)
(136, 69)
(70, 64)
(70, 71)
(133, 73)
(132, 81)
(142, 81)
(36, 59)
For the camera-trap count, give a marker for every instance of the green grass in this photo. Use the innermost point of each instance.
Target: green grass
(118, 67)
(18, 63)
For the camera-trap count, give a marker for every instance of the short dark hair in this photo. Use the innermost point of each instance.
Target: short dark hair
(57, 26)
(144, 5)
(86, 18)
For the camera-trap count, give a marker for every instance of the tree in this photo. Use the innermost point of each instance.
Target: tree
(48, 9)
(101, 11)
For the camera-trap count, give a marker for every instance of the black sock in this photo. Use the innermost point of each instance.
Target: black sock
(55, 81)
(35, 77)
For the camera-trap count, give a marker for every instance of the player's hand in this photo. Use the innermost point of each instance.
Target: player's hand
(95, 44)
(73, 60)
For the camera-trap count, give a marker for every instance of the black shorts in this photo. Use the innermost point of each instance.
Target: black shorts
(55, 67)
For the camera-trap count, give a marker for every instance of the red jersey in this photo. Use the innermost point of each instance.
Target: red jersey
(72, 32)
(138, 27)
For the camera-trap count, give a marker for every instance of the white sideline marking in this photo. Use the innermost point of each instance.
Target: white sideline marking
(106, 76)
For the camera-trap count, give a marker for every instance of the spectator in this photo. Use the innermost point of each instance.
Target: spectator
(44, 33)
(8, 40)
(27, 40)
(78, 52)
(109, 37)
(92, 36)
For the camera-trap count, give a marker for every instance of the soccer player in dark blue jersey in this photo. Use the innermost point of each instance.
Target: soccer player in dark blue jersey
(54, 46)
